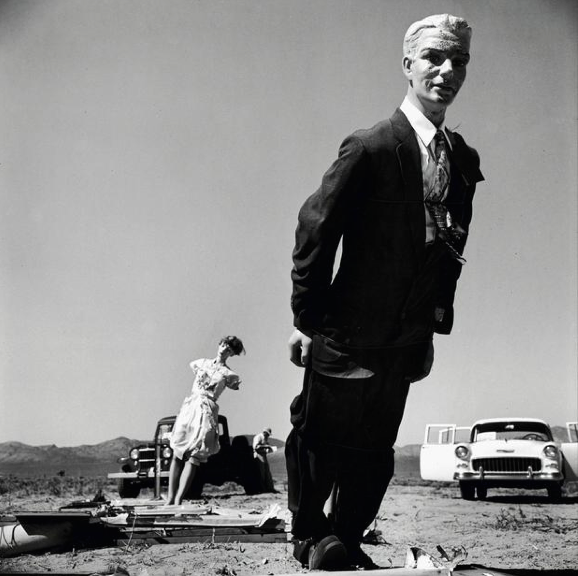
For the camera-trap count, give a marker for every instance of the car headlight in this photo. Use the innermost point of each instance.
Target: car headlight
(134, 454)
(551, 452)
(462, 452)
(167, 452)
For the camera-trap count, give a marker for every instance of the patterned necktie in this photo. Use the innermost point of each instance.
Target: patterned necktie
(449, 232)
(442, 173)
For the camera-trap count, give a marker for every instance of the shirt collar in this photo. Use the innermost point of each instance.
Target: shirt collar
(422, 126)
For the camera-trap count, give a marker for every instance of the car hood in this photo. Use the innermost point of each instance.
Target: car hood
(497, 448)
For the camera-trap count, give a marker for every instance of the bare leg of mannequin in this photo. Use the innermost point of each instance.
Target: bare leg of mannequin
(187, 475)
(174, 476)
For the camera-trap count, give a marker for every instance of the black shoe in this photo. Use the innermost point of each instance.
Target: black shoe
(328, 554)
(360, 560)
(301, 550)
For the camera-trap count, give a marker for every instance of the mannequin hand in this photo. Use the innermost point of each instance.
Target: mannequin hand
(299, 348)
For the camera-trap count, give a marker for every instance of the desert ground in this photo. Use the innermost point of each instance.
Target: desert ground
(512, 529)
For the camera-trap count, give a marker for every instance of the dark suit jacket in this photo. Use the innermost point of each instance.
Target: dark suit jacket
(387, 286)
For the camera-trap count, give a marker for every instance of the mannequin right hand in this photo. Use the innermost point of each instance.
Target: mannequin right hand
(300, 348)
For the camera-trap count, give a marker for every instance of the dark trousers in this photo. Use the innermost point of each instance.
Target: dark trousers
(343, 436)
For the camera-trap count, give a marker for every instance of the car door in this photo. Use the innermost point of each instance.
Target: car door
(437, 458)
(570, 452)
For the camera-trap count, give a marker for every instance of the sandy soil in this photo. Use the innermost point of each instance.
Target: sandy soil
(510, 530)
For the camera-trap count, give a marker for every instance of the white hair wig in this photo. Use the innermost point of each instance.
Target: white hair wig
(447, 22)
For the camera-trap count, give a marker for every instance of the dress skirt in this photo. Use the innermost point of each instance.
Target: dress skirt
(195, 435)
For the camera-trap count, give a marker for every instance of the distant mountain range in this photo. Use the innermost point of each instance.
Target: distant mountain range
(109, 451)
(17, 456)
(16, 452)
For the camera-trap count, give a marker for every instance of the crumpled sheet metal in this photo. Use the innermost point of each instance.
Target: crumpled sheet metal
(197, 517)
(447, 560)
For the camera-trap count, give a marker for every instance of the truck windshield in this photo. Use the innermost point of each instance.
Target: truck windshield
(164, 433)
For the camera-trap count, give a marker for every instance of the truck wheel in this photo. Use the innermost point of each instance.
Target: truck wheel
(467, 490)
(251, 479)
(482, 492)
(252, 486)
(555, 492)
(128, 488)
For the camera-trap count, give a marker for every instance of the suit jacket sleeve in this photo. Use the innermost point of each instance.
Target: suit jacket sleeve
(321, 223)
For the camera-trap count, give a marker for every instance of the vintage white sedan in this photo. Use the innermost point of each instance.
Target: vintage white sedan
(500, 452)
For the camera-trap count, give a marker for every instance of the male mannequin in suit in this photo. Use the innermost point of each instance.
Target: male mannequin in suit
(365, 334)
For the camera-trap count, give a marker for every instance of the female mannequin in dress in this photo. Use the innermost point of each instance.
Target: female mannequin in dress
(195, 435)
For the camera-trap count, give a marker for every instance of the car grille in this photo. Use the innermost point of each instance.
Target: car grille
(490, 465)
(146, 458)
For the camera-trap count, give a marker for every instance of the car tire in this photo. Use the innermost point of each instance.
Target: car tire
(251, 483)
(481, 492)
(555, 492)
(467, 490)
(251, 478)
(128, 488)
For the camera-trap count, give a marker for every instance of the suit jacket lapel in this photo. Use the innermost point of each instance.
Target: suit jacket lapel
(408, 155)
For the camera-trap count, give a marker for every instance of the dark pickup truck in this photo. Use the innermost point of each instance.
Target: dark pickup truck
(233, 463)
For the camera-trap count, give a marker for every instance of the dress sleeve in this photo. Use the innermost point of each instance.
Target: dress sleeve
(232, 381)
(195, 365)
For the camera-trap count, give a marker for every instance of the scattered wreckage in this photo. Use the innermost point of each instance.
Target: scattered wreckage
(500, 452)
(147, 465)
(125, 523)
(91, 524)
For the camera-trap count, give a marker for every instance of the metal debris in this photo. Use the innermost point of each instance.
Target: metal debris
(144, 522)
(448, 560)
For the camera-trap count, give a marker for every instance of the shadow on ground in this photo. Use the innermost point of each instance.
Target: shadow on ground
(529, 499)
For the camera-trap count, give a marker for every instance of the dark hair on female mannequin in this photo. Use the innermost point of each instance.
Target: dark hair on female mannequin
(234, 344)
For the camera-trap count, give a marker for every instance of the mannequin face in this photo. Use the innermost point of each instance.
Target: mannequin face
(224, 351)
(437, 69)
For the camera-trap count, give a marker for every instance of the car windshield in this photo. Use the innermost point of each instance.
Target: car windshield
(511, 431)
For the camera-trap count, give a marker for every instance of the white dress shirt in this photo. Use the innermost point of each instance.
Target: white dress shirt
(425, 132)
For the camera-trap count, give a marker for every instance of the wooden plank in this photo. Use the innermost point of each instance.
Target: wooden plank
(156, 510)
(245, 538)
(198, 531)
(42, 522)
(50, 516)
(205, 521)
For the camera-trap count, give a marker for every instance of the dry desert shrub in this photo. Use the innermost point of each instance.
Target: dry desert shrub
(516, 520)
(4, 486)
(61, 486)
(571, 489)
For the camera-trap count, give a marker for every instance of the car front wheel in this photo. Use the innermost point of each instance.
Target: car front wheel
(128, 488)
(555, 492)
(467, 490)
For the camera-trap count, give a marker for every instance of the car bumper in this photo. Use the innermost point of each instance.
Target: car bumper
(528, 477)
(133, 475)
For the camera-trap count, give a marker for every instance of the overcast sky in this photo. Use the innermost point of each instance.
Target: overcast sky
(154, 155)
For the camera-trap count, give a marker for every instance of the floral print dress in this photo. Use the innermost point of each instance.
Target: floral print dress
(195, 435)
